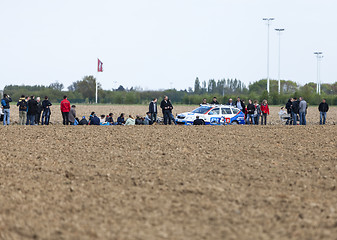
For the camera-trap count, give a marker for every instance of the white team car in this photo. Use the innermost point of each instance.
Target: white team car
(1, 115)
(213, 115)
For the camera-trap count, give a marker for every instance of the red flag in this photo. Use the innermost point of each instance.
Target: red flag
(99, 66)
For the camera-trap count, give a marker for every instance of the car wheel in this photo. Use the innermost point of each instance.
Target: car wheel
(234, 123)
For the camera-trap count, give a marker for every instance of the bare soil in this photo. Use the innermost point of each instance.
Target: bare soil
(168, 182)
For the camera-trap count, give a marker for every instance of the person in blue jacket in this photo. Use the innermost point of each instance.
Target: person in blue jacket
(5, 107)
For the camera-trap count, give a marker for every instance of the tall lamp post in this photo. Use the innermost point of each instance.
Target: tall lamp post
(319, 56)
(279, 30)
(268, 24)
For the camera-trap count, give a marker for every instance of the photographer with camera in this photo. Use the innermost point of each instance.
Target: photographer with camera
(5, 108)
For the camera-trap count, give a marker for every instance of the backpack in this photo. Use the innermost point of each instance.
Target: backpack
(23, 105)
(3, 103)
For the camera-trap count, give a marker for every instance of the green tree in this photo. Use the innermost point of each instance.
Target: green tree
(57, 86)
(87, 87)
(197, 88)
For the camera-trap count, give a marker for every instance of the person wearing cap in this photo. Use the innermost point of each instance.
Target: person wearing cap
(83, 121)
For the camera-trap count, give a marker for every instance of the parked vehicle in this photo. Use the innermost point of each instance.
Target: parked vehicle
(213, 115)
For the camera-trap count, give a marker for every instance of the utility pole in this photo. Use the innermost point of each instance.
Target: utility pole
(268, 24)
(279, 30)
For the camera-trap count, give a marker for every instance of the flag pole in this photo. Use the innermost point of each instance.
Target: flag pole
(96, 86)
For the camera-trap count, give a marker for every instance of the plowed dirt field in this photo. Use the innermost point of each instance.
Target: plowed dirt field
(168, 182)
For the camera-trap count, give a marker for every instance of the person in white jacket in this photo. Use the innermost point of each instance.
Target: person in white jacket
(130, 121)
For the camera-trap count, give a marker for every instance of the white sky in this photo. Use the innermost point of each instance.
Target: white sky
(150, 43)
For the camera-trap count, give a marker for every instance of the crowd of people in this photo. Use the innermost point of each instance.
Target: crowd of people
(34, 112)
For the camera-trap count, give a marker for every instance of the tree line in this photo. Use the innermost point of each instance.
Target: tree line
(83, 91)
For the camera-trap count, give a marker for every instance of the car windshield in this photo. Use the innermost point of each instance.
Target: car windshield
(202, 109)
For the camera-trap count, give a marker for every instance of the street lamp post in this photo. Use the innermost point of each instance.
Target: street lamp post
(279, 30)
(319, 56)
(268, 24)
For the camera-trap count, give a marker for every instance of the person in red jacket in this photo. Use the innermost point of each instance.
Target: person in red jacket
(65, 109)
(265, 111)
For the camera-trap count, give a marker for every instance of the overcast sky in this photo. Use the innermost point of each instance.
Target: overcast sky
(152, 43)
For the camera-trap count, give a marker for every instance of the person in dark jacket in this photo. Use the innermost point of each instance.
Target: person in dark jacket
(139, 120)
(166, 106)
(230, 102)
(214, 101)
(95, 120)
(6, 108)
(83, 121)
(32, 110)
(39, 111)
(153, 109)
(288, 107)
(121, 120)
(198, 121)
(240, 104)
(250, 112)
(110, 119)
(171, 114)
(46, 111)
(204, 102)
(294, 110)
(22, 104)
(323, 108)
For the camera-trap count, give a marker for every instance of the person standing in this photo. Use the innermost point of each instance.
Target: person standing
(165, 106)
(214, 101)
(171, 115)
(240, 105)
(230, 102)
(265, 112)
(288, 107)
(257, 112)
(323, 108)
(72, 115)
(27, 120)
(153, 109)
(46, 111)
(5, 108)
(32, 110)
(204, 102)
(302, 111)
(65, 109)
(250, 112)
(294, 110)
(22, 104)
(39, 111)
